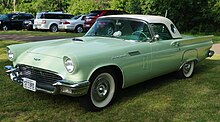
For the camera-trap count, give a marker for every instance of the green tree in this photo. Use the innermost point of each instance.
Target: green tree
(149, 7)
(85, 6)
(34, 6)
(6, 6)
(130, 6)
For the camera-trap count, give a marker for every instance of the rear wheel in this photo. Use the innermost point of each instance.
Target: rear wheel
(102, 91)
(187, 70)
(79, 29)
(53, 28)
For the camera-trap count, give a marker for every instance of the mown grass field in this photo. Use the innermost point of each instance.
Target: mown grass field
(161, 99)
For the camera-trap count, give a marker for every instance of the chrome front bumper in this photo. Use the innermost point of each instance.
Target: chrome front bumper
(60, 86)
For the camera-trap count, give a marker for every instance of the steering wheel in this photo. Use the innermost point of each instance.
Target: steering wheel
(110, 30)
(142, 36)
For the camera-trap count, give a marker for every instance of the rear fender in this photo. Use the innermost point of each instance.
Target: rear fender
(189, 55)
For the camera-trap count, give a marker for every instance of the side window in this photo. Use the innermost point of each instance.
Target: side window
(28, 16)
(83, 18)
(109, 13)
(51, 16)
(173, 28)
(60, 16)
(15, 17)
(162, 31)
(118, 12)
(141, 30)
(66, 16)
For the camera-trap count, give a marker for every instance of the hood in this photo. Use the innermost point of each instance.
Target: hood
(78, 46)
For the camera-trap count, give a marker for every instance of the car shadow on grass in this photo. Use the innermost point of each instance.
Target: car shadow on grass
(156, 83)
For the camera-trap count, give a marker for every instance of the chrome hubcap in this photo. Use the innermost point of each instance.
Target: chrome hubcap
(102, 90)
(79, 29)
(54, 29)
(187, 68)
(5, 28)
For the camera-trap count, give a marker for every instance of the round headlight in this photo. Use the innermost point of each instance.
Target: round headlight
(10, 55)
(69, 64)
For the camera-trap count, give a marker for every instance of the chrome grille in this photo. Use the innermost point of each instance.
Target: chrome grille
(39, 75)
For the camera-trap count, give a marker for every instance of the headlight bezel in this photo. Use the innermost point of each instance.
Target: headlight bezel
(10, 54)
(69, 64)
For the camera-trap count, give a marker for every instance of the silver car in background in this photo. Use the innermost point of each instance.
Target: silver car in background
(73, 24)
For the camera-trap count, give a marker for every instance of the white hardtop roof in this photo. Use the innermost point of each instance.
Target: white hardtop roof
(150, 19)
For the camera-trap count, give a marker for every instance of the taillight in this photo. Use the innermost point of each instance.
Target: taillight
(43, 22)
(66, 22)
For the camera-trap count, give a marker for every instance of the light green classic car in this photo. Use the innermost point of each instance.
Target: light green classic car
(117, 52)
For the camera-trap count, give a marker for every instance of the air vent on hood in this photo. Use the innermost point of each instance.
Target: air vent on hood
(76, 39)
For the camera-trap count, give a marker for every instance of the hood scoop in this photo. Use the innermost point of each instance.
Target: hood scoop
(77, 40)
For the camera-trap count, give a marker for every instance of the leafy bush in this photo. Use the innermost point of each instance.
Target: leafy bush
(188, 15)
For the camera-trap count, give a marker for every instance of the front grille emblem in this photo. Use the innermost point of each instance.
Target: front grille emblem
(37, 59)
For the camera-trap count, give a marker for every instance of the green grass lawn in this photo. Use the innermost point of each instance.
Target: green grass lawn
(161, 99)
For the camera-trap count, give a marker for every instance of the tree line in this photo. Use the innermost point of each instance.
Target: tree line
(188, 15)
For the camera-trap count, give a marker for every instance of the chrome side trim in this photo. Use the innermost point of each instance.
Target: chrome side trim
(66, 84)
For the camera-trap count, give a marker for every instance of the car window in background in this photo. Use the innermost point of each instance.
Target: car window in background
(4, 17)
(76, 17)
(38, 16)
(94, 13)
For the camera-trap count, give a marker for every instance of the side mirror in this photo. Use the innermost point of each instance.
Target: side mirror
(14, 17)
(156, 37)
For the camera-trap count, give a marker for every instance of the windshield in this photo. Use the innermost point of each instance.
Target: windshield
(38, 16)
(4, 17)
(120, 28)
(76, 17)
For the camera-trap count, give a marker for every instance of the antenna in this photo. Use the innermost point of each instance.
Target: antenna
(166, 13)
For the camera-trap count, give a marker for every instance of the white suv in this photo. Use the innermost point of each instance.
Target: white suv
(49, 20)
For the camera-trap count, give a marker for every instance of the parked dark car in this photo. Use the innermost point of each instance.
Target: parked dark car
(14, 20)
(93, 15)
(28, 24)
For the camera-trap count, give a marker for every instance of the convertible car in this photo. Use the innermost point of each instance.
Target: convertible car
(117, 52)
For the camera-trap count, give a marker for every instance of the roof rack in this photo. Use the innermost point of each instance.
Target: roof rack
(56, 12)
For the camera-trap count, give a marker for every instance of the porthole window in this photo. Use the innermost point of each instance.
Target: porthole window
(173, 28)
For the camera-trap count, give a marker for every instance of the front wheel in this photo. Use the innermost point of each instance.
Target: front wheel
(186, 70)
(5, 28)
(101, 92)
